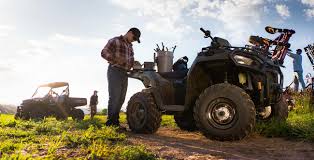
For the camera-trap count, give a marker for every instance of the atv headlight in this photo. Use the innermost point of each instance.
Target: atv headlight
(243, 60)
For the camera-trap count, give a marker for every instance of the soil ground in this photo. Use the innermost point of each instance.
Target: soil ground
(173, 143)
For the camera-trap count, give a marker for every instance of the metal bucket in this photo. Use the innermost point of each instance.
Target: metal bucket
(164, 61)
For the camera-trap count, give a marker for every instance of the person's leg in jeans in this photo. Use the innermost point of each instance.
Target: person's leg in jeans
(116, 84)
(296, 82)
(300, 77)
(92, 111)
(124, 87)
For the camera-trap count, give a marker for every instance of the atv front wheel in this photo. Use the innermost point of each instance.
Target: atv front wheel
(185, 121)
(224, 112)
(143, 116)
(77, 114)
(17, 116)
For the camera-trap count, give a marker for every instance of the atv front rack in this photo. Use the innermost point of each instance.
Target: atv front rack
(309, 50)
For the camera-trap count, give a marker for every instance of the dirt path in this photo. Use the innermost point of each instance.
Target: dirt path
(172, 143)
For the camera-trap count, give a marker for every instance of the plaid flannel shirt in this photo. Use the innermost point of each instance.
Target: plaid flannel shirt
(119, 53)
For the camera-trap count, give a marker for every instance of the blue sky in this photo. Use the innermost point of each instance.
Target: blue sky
(60, 40)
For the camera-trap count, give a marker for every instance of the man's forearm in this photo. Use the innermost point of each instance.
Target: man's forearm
(107, 56)
(290, 54)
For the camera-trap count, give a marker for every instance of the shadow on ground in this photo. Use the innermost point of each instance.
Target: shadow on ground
(172, 143)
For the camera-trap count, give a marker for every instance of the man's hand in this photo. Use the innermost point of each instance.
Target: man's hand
(137, 65)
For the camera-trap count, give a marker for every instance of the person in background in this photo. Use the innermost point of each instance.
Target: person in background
(297, 68)
(308, 79)
(119, 54)
(93, 104)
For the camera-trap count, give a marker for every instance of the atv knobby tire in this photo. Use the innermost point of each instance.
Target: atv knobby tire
(22, 116)
(185, 121)
(61, 117)
(224, 112)
(37, 115)
(77, 114)
(279, 111)
(143, 115)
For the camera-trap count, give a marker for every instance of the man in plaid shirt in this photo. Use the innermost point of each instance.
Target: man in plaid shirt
(119, 54)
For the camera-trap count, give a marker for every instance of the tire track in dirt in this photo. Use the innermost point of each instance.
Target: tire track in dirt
(173, 143)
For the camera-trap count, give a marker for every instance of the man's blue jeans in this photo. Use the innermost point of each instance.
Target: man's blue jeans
(299, 75)
(117, 87)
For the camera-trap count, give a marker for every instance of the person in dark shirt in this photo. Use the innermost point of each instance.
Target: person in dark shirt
(93, 104)
(181, 64)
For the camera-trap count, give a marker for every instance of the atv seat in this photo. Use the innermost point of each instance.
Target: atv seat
(61, 99)
(174, 75)
(180, 69)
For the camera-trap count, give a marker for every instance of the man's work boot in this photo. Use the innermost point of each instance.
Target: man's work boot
(110, 123)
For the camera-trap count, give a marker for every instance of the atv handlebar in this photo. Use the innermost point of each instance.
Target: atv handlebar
(207, 34)
(202, 29)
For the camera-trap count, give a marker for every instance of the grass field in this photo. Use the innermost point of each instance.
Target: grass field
(90, 139)
(51, 139)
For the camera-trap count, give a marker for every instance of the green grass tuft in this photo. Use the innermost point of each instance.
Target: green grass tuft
(52, 139)
(300, 123)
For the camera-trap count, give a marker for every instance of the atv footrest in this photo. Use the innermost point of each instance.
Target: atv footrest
(175, 108)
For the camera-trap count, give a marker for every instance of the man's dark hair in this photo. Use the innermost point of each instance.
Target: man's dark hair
(299, 51)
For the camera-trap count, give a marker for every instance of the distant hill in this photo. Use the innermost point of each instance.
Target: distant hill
(7, 109)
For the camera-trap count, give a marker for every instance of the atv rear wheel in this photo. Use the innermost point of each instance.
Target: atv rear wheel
(61, 117)
(143, 116)
(224, 112)
(185, 121)
(279, 111)
(36, 115)
(25, 116)
(77, 114)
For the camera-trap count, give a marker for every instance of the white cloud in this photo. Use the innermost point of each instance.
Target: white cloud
(164, 16)
(283, 10)
(5, 30)
(34, 52)
(76, 40)
(309, 12)
(164, 25)
(66, 38)
(169, 15)
(36, 48)
(49, 46)
(5, 68)
(235, 15)
(308, 2)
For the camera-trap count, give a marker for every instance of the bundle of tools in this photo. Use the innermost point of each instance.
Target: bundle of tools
(281, 43)
(163, 49)
(164, 58)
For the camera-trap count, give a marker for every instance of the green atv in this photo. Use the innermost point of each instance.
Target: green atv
(51, 99)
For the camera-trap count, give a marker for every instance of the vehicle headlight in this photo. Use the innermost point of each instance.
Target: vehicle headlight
(243, 60)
